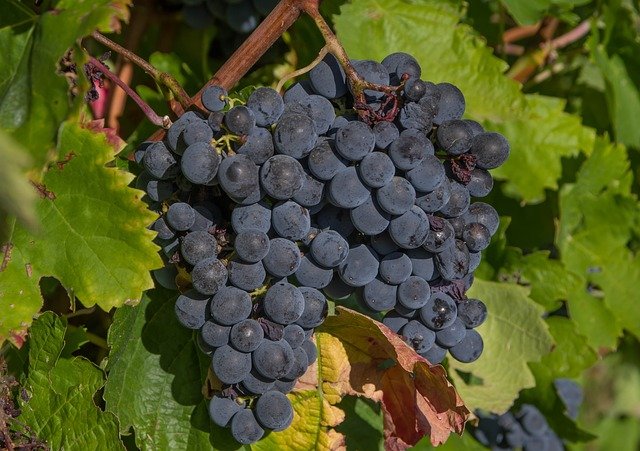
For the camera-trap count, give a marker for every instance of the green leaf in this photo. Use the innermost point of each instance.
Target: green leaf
(549, 280)
(597, 224)
(93, 235)
(61, 407)
(362, 426)
(569, 358)
(530, 11)
(539, 130)
(17, 197)
(155, 377)
(514, 334)
(33, 95)
(622, 96)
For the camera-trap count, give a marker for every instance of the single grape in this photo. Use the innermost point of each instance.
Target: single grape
(328, 78)
(346, 189)
(160, 162)
(230, 305)
(214, 334)
(283, 303)
(229, 365)
(418, 336)
(290, 220)
(240, 120)
(396, 197)
(200, 163)
(422, 264)
(246, 335)
(451, 104)
(244, 426)
(481, 183)
(379, 296)
(472, 312)
(414, 89)
(360, 267)
(258, 145)
(214, 98)
(281, 176)
(294, 335)
(311, 350)
(414, 293)
(469, 349)
(427, 175)
(197, 246)
(274, 411)
(209, 275)
(251, 217)
(385, 133)
(355, 140)
(435, 354)
(222, 409)
(191, 309)
(316, 108)
(257, 384)
(267, 106)
(273, 359)
(295, 135)
(180, 216)
(484, 214)
(410, 149)
(394, 321)
(451, 335)
(490, 149)
(415, 116)
(251, 245)
(436, 199)
(311, 274)
(283, 258)
(453, 262)
(369, 218)
(439, 312)
(311, 194)
(315, 308)
(454, 136)
(395, 268)
(410, 230)
(459, 201)
(163, 229)
(238, 176)
(442, 235)
(337, 219)
(476, 236)
(324, 161)
(337, 289)
(376, 169)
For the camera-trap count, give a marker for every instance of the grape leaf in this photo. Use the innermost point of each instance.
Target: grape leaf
(155, 378)
(17, 197)
(33, 94)
(61, 408)
(359, 356)
(539, 131)
(530, 11)
(514, 334)
(92, 236)
(622, 96)
(597, 222)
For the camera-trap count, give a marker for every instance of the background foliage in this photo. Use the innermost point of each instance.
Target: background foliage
(109, 365)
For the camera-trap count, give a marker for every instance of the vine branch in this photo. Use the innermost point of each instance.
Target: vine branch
(146, 109)
(160, 77)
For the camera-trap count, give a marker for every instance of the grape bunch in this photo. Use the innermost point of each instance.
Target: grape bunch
(526, 429)
(242, 16)
(269, 207)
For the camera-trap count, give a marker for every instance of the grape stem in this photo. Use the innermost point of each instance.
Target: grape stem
(155, 119)
(160, 77)
(304, 70)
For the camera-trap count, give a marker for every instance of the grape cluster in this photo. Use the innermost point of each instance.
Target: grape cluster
(264, 204)
(242, 16)
(526, 429)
